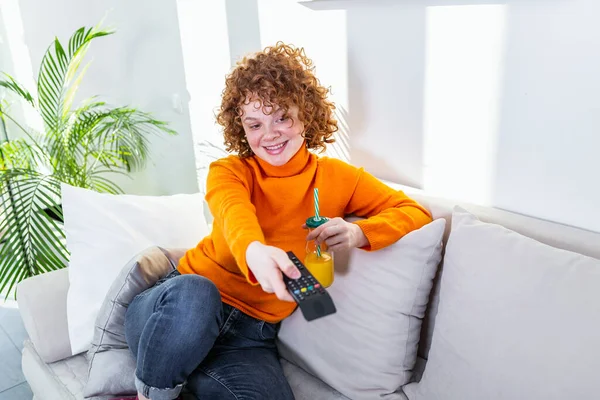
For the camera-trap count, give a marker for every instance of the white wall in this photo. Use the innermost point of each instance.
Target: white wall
(11, 38)
(140, 65)
(549, 128)
(493, 102)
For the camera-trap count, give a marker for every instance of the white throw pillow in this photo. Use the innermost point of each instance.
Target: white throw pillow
(105, 231)
(368, 348)
(517, 319)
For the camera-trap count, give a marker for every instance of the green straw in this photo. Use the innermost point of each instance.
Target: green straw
(316, 196)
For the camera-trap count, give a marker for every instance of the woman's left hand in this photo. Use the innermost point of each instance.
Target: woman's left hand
(338, 235)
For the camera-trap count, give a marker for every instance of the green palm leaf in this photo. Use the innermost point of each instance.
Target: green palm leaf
(20, 154)
(56, 73)
(121, 138)
(83, 146)
(32, 242)
(12, 85)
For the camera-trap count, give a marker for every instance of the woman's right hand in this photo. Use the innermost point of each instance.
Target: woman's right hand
(267, 263)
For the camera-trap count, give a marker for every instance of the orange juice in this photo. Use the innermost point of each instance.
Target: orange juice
(321, 267)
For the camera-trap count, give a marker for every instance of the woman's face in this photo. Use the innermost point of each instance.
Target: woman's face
(275, 137)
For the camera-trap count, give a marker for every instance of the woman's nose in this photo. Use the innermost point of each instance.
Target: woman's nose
(272, 134)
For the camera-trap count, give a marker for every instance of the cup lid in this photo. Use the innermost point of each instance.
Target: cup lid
(313, 222)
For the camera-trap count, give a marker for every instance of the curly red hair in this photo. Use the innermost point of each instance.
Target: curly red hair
(281, 76)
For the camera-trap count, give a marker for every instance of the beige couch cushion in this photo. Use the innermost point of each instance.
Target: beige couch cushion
(551, 233)
(368, 348)
(60, 380)
(517, 320)
(42, 303)
(307, 387)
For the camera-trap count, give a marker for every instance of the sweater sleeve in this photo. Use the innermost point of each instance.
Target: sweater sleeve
(390, 214)
(228, 189)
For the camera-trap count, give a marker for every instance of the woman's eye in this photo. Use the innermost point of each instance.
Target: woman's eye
(282, 119)
(256, 126)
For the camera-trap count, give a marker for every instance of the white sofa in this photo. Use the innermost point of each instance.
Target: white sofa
(53, 373)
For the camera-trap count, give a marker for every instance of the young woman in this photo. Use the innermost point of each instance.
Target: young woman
(211, 324)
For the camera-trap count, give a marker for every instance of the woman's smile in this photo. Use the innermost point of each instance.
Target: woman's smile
(276, 149)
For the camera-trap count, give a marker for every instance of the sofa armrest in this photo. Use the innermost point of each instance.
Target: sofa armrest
(42, 301)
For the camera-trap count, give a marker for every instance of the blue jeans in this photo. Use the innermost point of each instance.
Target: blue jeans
(181, 334)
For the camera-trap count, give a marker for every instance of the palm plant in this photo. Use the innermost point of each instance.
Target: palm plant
(81, 146)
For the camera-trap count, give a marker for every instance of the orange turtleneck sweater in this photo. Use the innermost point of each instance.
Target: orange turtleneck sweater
(253, 200)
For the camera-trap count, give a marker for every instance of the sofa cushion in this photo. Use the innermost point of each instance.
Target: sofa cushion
(105, 231)
(112, 366)
(42, 303)
(368, 348)
(307, 387)
(517, 319)
(551, 233)
(58, 380)
(65, 379)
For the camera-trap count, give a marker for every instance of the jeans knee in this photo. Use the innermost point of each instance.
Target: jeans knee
(193, 294)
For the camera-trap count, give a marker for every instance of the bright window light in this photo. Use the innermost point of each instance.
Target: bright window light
(22, 67)
(464, 60)
(205, 46)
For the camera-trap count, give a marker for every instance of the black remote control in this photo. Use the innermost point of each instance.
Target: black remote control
(311, 296)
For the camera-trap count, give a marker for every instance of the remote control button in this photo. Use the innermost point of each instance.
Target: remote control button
(296, 291)
(303, 290)
(317, 286)
(310, 287)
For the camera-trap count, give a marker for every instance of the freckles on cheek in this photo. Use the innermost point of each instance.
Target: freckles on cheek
(253, 141)
(250, 138)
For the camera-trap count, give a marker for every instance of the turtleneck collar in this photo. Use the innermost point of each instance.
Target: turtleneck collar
(293, 167)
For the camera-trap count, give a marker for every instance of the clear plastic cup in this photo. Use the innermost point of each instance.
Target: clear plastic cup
(318, 259)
